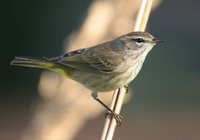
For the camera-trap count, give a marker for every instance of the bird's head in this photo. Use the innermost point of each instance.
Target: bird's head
(139, 41)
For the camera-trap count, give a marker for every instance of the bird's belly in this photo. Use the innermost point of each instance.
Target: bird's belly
(124, 78)
(102, 82)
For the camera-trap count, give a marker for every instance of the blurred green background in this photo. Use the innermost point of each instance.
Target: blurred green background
(166, 100)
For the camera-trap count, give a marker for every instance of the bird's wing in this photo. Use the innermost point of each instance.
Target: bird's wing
(101, 58)
(104, 59)
(74, 60)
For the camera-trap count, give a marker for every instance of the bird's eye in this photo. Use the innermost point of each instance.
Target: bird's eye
(138, 40)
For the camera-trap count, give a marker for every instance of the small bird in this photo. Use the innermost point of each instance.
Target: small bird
(101, 68)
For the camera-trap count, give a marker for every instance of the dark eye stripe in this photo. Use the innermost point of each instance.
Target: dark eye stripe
(139, 40)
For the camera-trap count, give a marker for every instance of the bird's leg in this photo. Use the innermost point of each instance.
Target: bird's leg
(126, 87)
(117, 117)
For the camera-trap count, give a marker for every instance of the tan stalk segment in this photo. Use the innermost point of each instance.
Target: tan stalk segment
(119, 94)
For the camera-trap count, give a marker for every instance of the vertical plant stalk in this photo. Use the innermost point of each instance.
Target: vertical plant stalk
(119, 94)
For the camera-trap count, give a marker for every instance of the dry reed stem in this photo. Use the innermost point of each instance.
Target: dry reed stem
(119, 94)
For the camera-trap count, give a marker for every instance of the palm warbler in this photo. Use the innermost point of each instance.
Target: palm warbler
(101, 68)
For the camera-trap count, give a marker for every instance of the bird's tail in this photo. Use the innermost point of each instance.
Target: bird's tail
(44, 63)
(33, 62)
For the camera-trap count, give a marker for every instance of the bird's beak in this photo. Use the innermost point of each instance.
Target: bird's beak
(157, 41)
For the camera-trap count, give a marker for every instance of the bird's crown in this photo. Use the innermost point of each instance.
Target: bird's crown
(140, 37)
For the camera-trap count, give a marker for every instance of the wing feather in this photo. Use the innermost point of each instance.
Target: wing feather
(101, 58)
(104, 59)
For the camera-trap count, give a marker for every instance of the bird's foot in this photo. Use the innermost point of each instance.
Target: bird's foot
(117, 117)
